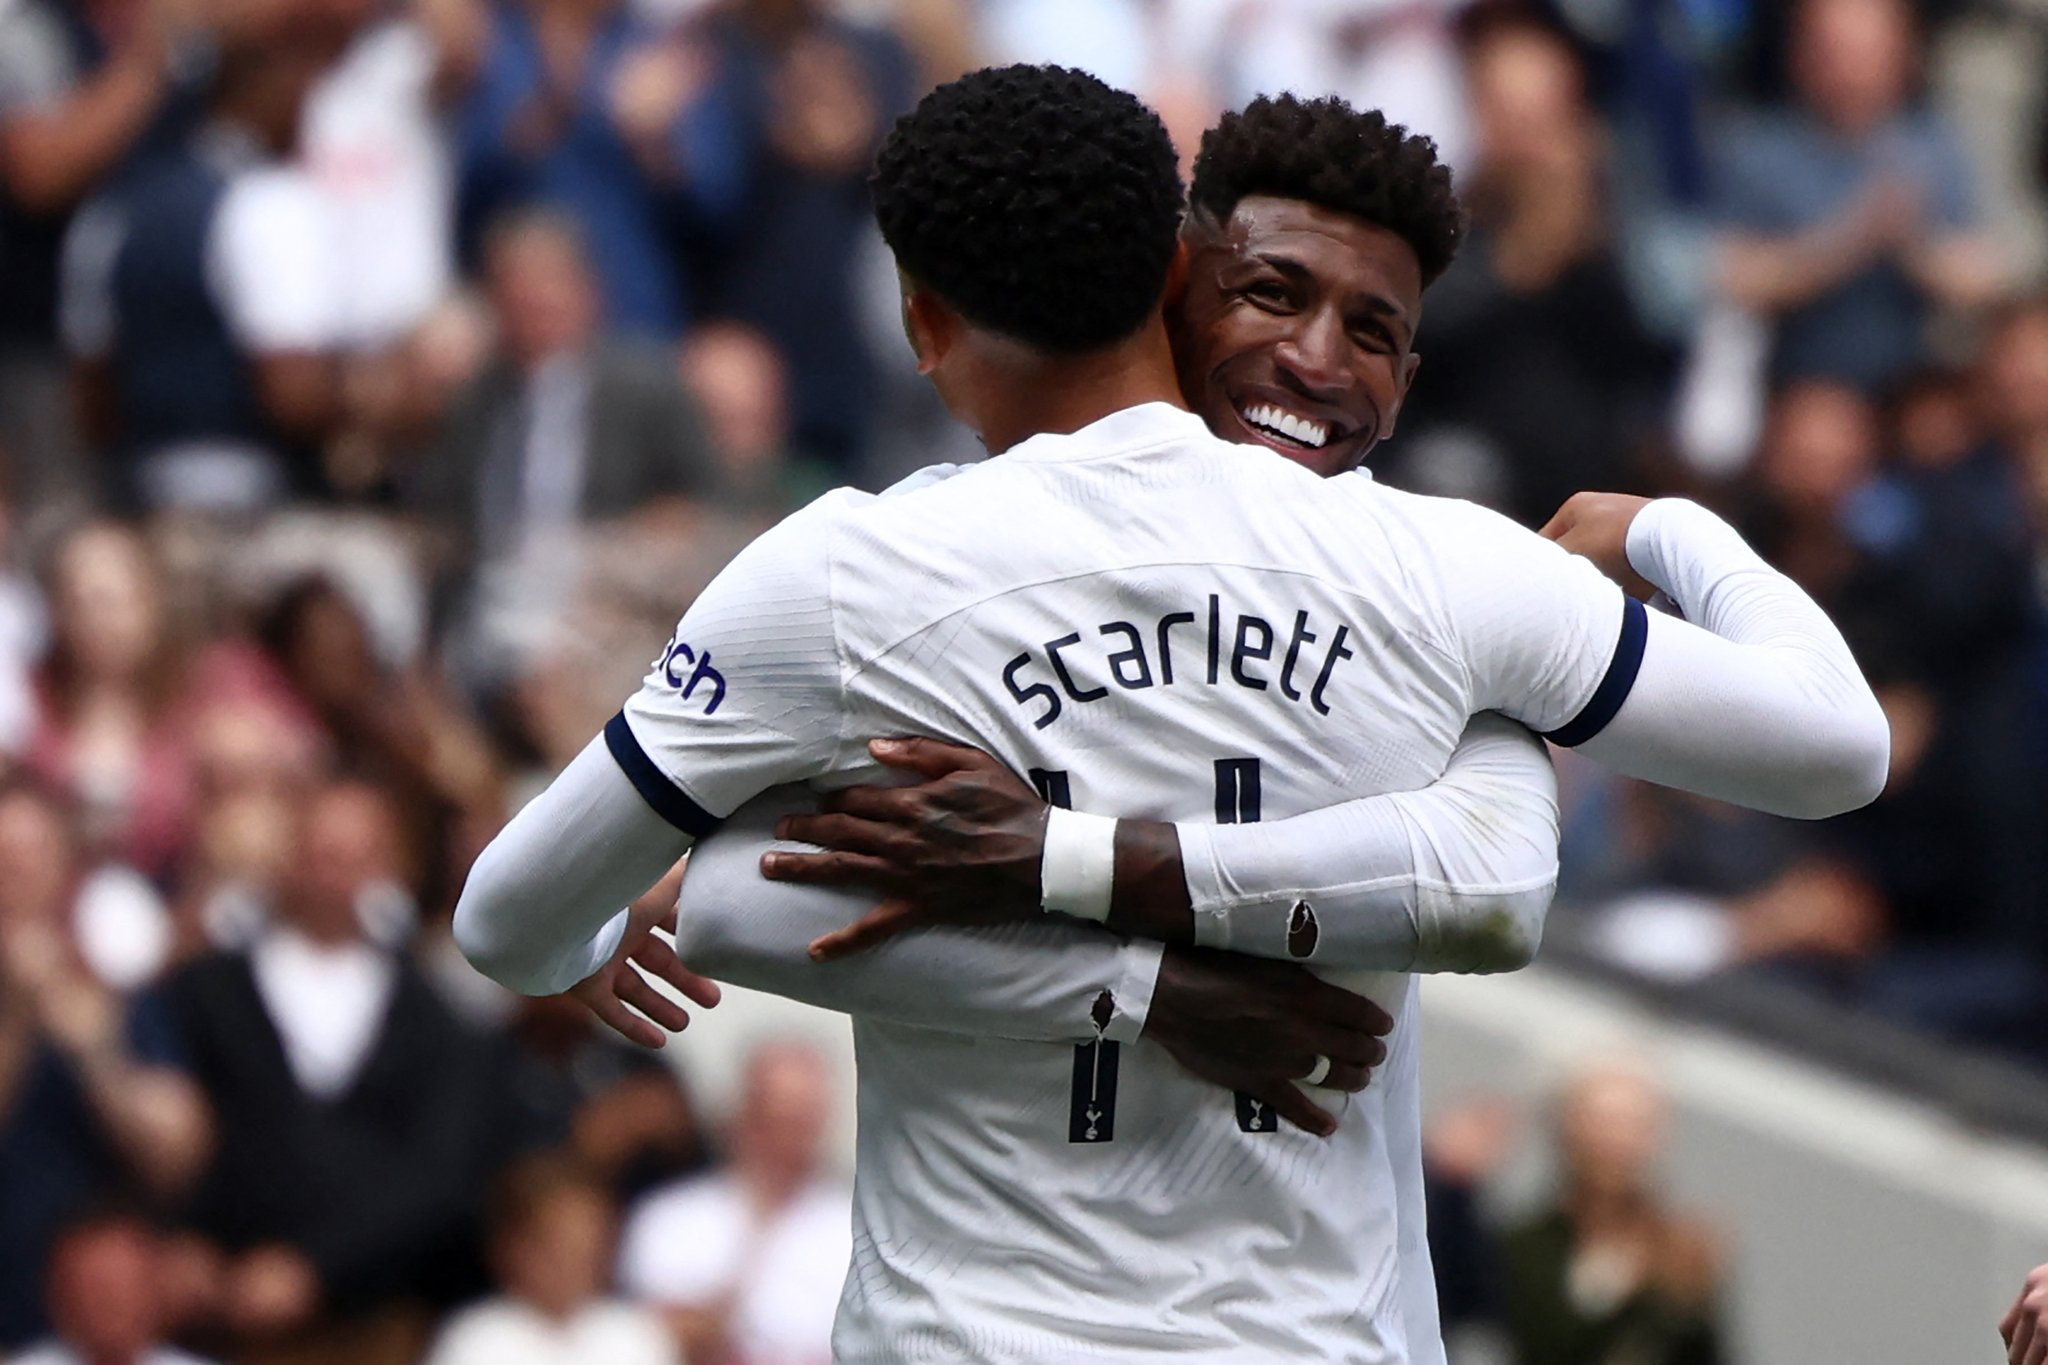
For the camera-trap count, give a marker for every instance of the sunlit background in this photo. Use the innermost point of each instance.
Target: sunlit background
(379, 381)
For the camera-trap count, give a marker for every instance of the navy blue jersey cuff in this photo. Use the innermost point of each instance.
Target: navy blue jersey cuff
(1614, 688)
(668, 800)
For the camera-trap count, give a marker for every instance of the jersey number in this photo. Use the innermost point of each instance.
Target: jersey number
(1091, 1113)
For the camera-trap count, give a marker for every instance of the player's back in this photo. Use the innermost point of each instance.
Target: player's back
(1150, 622)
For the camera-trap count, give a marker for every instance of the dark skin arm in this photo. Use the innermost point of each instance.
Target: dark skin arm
(971, 835)
(1257, 1026)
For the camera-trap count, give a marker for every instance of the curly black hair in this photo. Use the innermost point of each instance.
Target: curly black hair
(1037, 201)
(1326, 153)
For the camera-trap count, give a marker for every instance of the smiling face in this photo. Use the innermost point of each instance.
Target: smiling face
(1296, 330)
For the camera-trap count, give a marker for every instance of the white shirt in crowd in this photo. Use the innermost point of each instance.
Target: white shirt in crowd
(506, 1331)
(56, 1353)
(374, 150)
(702, 1239)
(1155, 623)
(327, 1003)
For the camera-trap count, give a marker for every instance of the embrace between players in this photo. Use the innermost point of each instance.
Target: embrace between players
(1074, 1030)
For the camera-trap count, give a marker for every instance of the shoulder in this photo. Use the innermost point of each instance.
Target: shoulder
(924, 478)
(271, 198)
(48, 1353)
(631, 362)
(473, 1332)
(682, 1204)
(166, 1355)
(1449, 530)
(824, 1207)
(630, 1329)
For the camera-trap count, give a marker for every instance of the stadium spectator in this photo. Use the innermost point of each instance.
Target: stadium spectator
(566, 425)
(202, 300)
(358, 1120)
(620, 1111)
(1610, 1272)
(404, 727)
(113, 696)
(747, 1262)
(581, 107)
(1534, 347)
(81, 86)
(23, 625)
(1398, 56)
(553, 1229)
(1849, 218)
(742, 386)
(88, 1107)
(816, 95)
(106, 1298)
(2013, 396)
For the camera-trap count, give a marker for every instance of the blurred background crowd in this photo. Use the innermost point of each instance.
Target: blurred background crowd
(379, 379)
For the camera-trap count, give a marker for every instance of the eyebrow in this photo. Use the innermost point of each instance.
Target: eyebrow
(1378, 304)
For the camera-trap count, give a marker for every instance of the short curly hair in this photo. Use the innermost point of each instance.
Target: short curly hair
(1350, 161)
(1037, 201)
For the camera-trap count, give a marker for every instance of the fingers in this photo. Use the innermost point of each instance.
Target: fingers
(843, 833)
(1560, 524)
(2011, 1320)
(830, 869)
(613, 1014)
(1345, 1076)
(929, 757)
(660, 959)
(1286, 1100)
(1344, 1047)
(637, 991)
(882, 805)
(1335, 1005)
(879, 925)
(2028, 1343)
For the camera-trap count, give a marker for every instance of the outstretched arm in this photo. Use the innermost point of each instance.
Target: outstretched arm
(1454, 877)
(1754, 698)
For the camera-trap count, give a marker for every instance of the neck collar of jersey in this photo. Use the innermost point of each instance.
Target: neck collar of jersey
(1144, 425)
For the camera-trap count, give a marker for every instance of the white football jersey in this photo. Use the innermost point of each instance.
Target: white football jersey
(1150, 622)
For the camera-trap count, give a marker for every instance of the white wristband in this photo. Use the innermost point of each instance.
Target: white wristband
(1078, 869)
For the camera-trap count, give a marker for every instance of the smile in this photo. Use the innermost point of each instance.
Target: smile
(1271, 420)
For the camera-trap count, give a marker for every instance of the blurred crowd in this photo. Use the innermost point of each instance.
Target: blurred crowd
(379, 379)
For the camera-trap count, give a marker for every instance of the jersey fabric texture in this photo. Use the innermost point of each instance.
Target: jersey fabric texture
(1150, 622)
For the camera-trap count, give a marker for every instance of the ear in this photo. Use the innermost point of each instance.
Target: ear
(1408, 369)
(1177, 273)
(931, 326)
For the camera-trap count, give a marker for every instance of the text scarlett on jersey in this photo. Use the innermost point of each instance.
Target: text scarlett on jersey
(1236, 656)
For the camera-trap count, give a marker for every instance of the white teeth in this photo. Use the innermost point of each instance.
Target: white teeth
(1309, 433)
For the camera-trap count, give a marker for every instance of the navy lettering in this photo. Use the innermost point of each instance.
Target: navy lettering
(1167, 623)
(706, 673)
(1301, 637)
(1215, 633)
(1025, 694)
(1244, 650)
(1135, 654)
(1337, 651)
(1121, 649)
(1059, 666)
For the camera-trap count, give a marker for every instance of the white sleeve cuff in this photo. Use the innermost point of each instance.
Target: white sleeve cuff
(1131, 993)
(1077, 868)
